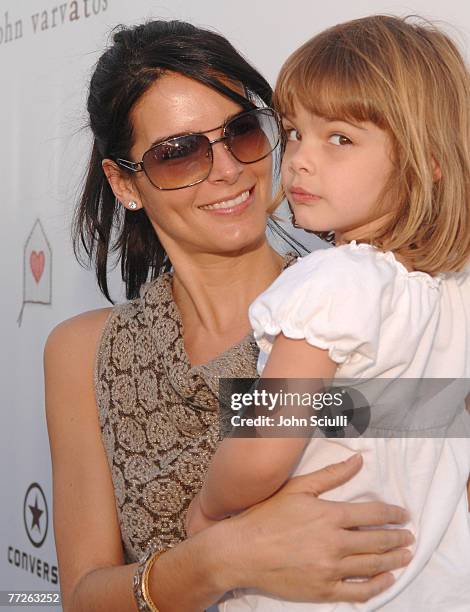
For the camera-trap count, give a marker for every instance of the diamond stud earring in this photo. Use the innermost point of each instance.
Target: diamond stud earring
(132, 205)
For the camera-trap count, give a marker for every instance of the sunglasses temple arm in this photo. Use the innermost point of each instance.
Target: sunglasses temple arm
(133, 166)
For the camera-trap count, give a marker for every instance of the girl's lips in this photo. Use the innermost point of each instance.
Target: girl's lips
(300, 195)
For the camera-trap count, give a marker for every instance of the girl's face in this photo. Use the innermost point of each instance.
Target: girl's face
(227, 211)
(334, 172)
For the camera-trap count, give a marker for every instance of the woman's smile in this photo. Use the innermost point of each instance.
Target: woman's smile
(231, 205)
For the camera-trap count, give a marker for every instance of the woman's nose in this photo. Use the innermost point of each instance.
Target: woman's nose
(225, 168)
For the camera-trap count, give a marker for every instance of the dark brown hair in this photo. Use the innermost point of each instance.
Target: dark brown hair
(137, 58)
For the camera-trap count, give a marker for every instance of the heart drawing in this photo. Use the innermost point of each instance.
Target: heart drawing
(36, 262)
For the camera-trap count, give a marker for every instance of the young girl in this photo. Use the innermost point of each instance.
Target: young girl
(376, 114)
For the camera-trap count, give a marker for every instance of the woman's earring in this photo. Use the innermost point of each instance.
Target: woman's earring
(132, 205)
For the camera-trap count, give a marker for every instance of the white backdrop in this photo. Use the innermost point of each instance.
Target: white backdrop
(47, 49)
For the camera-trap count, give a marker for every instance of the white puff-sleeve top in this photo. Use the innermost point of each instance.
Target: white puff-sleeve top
(373, 316)
(376, 319)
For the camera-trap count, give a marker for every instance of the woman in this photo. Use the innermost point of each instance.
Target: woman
(181, 169)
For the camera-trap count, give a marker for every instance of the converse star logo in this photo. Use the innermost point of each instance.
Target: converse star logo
(35, 515)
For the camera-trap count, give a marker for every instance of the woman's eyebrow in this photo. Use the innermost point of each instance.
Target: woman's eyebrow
(171, 136)
(177, 135)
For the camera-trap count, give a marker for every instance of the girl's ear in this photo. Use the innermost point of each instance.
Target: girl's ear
(122, 185)
(436, 170)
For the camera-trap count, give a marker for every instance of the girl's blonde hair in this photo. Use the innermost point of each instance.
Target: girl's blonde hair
(409, 79)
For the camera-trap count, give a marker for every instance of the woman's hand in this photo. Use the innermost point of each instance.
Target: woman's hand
(196, 520)
(298, 547)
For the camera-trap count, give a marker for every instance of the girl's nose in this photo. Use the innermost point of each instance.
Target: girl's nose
(301, 160)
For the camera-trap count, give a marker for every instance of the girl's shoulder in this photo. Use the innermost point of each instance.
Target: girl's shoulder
(362, 260)
(340, 298)
(349, 268)
(339, 269)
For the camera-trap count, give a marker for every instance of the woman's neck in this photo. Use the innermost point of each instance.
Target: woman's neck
(213, 292)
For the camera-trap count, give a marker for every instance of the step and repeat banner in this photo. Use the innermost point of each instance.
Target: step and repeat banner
(47, 51)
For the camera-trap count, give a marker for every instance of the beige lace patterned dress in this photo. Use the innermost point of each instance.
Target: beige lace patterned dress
(158, 415)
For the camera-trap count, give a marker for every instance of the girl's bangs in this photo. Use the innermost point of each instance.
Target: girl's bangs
(335, 86)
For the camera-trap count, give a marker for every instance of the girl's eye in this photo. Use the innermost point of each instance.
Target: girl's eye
(292, 133)
(339, 140)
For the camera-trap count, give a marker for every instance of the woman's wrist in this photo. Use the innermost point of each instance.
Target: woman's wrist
(232, 563)
(196, 573)
(231, 558)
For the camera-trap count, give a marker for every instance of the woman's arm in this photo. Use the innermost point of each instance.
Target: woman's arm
(93, 575)
(244, 471)
(314, 539)
(86, 525)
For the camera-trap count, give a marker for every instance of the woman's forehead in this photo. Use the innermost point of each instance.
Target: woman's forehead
(177, 104)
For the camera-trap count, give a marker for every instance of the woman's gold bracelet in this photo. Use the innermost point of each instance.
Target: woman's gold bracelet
(145, 580)
(141, 581)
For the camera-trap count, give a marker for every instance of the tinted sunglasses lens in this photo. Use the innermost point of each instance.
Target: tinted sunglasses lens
(179, 162)
(253, 135)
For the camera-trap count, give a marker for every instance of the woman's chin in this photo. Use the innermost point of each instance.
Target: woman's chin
(236, 242)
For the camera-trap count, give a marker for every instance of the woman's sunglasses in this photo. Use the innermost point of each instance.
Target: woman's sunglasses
(186, 160)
